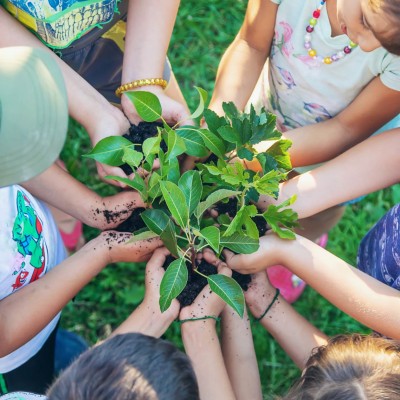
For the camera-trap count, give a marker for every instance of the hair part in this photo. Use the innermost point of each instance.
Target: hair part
(351, 367)
(390, 39)
(128, 367)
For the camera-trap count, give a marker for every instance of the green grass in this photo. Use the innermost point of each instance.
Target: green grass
(203, 30)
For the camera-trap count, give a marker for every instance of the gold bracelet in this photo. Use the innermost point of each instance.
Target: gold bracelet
(139, 83)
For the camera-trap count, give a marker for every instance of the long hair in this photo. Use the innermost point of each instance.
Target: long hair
(351, 367)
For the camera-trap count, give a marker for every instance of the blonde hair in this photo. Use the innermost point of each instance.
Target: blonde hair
(351, 367)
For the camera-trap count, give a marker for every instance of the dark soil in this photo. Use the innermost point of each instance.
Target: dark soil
(133, 223)
(196, 282)
(138, 134)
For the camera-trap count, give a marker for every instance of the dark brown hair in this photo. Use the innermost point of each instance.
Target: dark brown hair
(128, 367)
(351, 367)
(390, 40)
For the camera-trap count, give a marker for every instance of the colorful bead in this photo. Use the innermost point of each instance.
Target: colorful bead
(316, 14)
(312, 52)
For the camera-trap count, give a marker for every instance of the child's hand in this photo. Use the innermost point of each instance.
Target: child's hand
(259, 293)
(109, 212)
(271, 252)
(118, 248)
(154, 275)
(207, 303)
(173, 112)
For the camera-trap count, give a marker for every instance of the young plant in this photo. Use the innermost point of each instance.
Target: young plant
(180, 202)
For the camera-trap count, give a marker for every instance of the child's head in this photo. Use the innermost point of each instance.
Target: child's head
(127, 367)
(353, 367)
(371, 23)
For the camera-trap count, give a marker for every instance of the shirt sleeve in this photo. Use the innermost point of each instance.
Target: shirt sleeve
(390, 71)
(276, 1)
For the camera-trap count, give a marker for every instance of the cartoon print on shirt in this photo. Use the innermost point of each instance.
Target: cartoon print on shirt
(282, 40)
(59, 22)
(28, 235)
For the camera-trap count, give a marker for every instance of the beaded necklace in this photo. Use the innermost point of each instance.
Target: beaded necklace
(312, 52)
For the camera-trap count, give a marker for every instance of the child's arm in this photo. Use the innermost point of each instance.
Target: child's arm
(244, 59)
(294, 333)
(147, 317)
(238, 349)
(363, 297)
(86, 105)
(59, 189)
(202, 344)
(371, 165)
(369, 111)
(46, 297)
(149, 28)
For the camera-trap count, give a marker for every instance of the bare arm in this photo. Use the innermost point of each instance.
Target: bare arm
(244, 59)
(371, 165)
(294, 333)
(48, 295)
(59, 189)
(149, 29)
(373, 107)
(363, 297)
(86, 105)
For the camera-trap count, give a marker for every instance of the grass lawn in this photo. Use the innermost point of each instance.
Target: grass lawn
(203, 30)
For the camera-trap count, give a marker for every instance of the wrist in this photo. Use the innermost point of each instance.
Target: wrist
(155, 322)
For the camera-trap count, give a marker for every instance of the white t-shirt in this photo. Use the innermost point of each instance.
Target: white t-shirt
(302, 91)
(30, 246)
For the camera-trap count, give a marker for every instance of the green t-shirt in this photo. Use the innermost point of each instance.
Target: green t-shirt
(58, 23)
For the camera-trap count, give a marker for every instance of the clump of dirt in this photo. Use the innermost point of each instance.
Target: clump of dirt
(138, 134)
(196, 282)
(133, 223)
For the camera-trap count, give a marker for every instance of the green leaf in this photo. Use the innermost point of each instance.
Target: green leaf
(229, 134)
(154, 185)
(243, 218)
(240, 243)
(137, 183)
(142, 236)
(213, 198)
(192, 188)
(194, 143)
(244, 153)
(110, 150)
(176, 203)
(279, 151)
(176, 145)
(268, 184)
(200, 108)
(231, 110)
(168, 236)
(278, 218)
(212, 142)
(155, 220)
(214, 122)
(173, 171)
(229, 291)
(173, 282)
(212, 236)
(132, 157)
(151, 145)
(147, 105)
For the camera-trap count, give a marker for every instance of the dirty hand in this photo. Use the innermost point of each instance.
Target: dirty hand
(207, 303)
(109, 212)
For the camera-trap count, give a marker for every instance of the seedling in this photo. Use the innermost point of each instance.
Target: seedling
(180, 203)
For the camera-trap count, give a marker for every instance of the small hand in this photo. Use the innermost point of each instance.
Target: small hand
(111, 211)
(207, 303)
(120, 250)
(173, 112)
(154, 275)
(268, 254)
